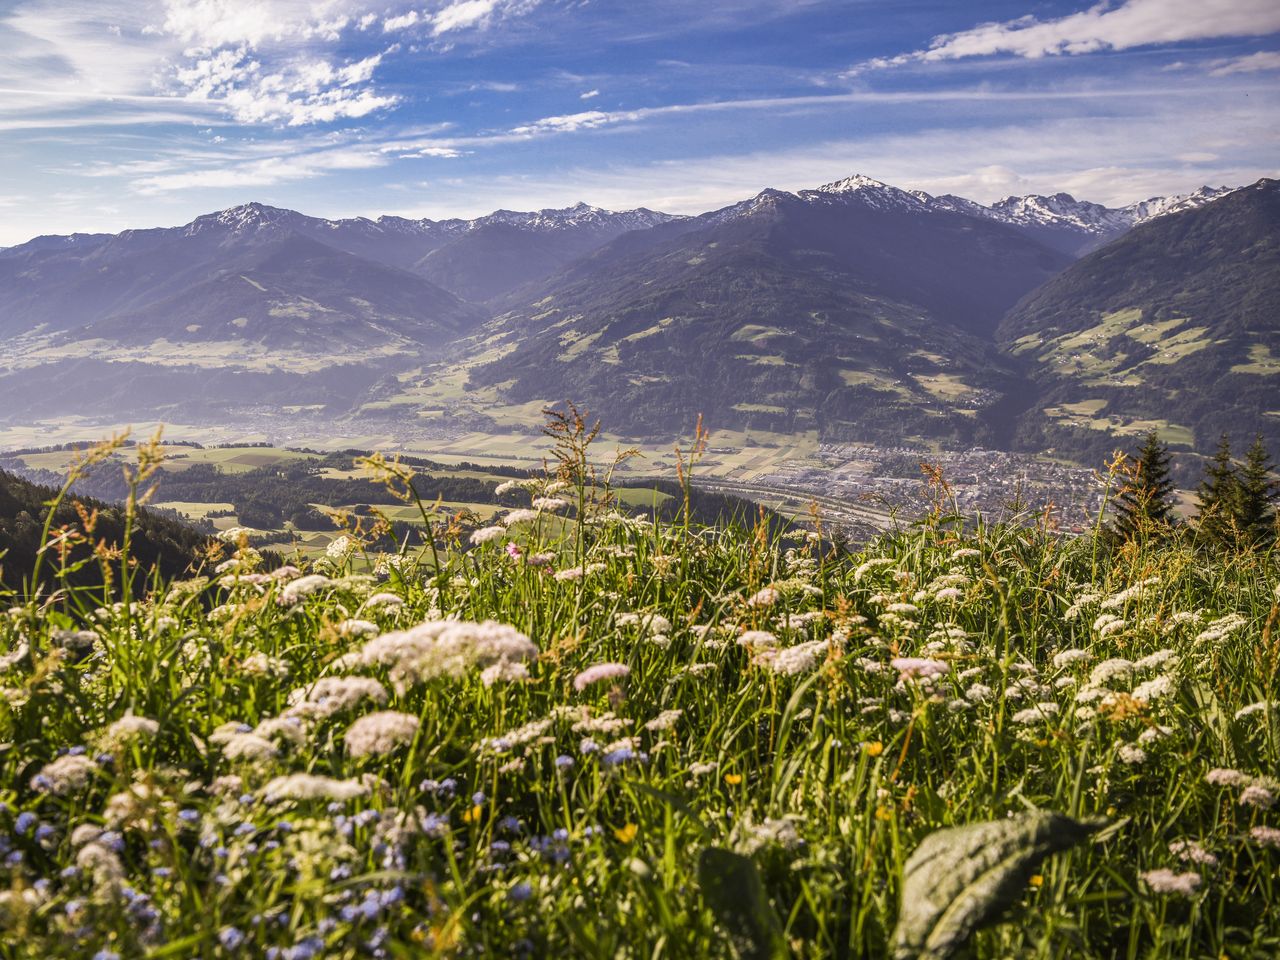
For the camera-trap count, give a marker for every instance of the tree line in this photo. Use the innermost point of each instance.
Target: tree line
(1235, 500)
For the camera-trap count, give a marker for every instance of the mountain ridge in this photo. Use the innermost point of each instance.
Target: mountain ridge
(854, 308)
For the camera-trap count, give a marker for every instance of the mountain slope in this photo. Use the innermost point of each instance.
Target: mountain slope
(247, 273)
(158, 542)
(1073, 226)
(1174, 325)
(232, 312)
(855, 310)
(499, 253)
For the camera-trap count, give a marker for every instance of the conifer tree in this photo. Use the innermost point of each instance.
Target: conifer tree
(1143, 504)
(1219, 498)
(1256, 510)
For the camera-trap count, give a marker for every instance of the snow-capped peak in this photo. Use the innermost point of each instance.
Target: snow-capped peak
(245, 216)
(577, 216)
(850, 184)
(869, 192)
(1060, 208)
(1160, 206)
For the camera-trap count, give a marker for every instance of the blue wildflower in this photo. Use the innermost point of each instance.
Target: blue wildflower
(231, 938)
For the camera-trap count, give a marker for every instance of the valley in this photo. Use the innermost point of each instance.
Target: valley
(852, 313)
(833, 340)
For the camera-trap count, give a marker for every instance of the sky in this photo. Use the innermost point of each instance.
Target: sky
(135, 113)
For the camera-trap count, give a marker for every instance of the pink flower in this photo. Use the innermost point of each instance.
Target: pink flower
(513, 551)
(598, 672)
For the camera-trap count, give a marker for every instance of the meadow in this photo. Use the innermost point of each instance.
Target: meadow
(575, 731)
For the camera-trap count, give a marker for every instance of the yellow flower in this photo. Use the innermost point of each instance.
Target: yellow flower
(626, 834)
(472, 815)
(873, 748)
(733, 779)
(884, 813)
(1037, 880)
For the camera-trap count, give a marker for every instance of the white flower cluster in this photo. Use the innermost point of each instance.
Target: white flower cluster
(444, 648)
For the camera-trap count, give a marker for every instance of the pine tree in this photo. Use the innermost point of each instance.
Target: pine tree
(1256, 511)
(1143, 506)
(1219, 498)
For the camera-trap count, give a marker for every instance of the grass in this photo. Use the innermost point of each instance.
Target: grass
(1261, 362)
(762, 704)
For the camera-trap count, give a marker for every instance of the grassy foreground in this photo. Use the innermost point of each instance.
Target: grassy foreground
(304, 764)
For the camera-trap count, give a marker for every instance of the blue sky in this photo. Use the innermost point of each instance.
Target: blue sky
(127, 113)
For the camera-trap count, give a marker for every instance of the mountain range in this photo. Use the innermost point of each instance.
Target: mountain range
(856, 310)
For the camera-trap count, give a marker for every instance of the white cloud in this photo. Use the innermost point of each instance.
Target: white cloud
(263, 172)
(589, 95)
(391, 24)
(587, 120)
(594, 119)
(1253, 63)
(444, 153)
(301, 92)
(1104, 26)
(257, 61)
(983, 162)
(465, 13)
(216, 23)
(459, 15)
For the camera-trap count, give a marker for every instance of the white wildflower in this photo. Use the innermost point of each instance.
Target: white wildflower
(1037, 714)
(797, 659)
(1265, 836)
(764, 597)
(1153, 661)
(598, 672)
(64, 776)
(1132, 754)
(330, 695)
(979, 693)
(128, 729)
(665, 720)
(380, 732)
(1155, 689)
(307, 786)
(1107, 671)
(919, 667)
(1167, 882)
(876, 563)
(263, 665)
(1066, 658)
(1188, 851)
(757, 639)
(504, 671)
(295, 590)
(439, 648)
(1256, 795)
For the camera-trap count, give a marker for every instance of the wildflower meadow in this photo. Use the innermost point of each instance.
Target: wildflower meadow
(579, 732)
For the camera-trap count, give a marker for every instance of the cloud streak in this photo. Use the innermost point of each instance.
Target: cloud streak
(1104, 26)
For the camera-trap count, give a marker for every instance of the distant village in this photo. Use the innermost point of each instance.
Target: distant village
(863, 489)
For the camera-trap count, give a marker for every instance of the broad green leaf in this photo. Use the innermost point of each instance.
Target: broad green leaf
(732, 889)
(964, 878)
